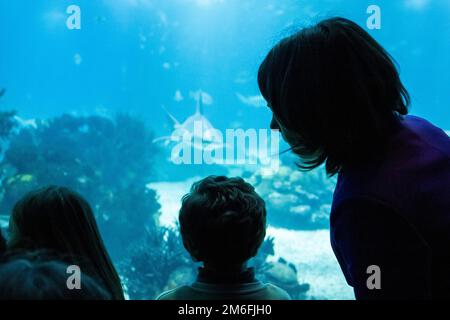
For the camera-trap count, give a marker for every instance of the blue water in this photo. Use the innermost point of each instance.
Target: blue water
(136, 56)
(215, 45)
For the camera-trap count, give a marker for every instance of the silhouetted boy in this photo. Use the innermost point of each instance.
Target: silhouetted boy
(223, 224)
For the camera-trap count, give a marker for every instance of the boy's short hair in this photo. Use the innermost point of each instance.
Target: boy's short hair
(222, 220)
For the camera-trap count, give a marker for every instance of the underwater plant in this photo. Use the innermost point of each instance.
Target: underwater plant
(157, 263)
(7, 126)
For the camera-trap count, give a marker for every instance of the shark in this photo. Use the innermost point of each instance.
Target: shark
(196, 141)
(197, 127)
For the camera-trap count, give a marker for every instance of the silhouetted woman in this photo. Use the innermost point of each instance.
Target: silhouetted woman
(337, 99)
(60, 220)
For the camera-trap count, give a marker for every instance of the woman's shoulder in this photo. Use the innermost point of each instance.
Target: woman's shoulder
(417, 163)
(371, 220)
(427, 134)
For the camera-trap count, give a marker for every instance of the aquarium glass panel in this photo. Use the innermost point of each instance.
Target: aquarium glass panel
(129, 102)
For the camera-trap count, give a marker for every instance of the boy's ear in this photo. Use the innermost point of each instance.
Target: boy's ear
(192, 251)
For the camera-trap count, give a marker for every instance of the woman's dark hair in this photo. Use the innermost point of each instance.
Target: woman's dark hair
(58, 219)
(222, 221)
(336, 90)
(38, 276)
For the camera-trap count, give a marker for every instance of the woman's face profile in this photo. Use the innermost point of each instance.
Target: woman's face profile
(288, 136)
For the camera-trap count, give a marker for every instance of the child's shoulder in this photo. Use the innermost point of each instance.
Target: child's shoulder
(179, 293)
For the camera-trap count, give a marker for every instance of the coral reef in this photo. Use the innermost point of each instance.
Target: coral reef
(7, 126)
(295, 199)
(7, 123)
(109, 161)
(280, 273)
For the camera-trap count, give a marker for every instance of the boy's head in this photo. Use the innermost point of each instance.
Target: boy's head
(222, 221)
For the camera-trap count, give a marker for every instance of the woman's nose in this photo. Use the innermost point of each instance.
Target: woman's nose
(274, 124)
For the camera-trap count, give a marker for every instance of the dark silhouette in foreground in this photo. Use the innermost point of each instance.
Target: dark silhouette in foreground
(223, 224)
(337, 98)
(2, 243)
(60, 220)
(36, 276)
